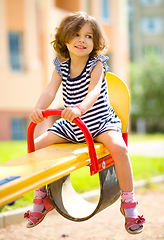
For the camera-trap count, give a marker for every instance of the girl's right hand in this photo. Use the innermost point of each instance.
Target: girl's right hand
(37, 116)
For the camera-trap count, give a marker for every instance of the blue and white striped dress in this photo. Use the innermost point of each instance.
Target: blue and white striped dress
(101, 117)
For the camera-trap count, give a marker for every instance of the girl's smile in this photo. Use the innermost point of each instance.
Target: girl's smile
(80, 47)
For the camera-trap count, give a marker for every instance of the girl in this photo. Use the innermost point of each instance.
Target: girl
(80, 39)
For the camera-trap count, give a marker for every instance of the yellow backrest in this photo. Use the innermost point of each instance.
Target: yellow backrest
(119, 98)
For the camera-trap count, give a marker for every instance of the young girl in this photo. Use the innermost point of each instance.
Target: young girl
(80, 39)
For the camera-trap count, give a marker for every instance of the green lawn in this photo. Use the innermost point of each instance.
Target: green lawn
(143, 167)
(12, 149)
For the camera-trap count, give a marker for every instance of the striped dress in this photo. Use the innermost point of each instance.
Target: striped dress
(101, 117)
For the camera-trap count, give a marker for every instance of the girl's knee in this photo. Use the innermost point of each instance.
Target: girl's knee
(119, 152)
(124, 149)
(115, 144)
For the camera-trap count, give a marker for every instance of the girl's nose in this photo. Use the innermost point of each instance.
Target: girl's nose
(81, 40)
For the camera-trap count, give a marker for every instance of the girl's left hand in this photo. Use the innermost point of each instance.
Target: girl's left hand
(70, 113)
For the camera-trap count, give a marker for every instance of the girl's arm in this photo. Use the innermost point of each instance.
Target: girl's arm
(46, 98)
(94, 89)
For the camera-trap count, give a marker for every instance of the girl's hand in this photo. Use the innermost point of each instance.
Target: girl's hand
(37, 116)
(70, 113)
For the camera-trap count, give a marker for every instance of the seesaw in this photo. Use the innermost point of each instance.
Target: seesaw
(52, 165)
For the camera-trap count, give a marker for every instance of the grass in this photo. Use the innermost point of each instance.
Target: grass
(143, 167)
(147, 167)
(12, 149)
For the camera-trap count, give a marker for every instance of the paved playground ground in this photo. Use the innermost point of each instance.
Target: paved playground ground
(107, 225)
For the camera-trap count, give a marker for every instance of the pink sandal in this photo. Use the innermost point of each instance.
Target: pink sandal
(129, 221)
(36, 217)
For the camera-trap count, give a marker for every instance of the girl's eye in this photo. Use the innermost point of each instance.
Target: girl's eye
(88, 36)
(75, 34)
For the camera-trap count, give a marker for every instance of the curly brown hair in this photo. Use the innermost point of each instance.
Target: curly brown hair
(72, 24)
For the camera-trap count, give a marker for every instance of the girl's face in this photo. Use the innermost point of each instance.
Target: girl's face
(81, 43)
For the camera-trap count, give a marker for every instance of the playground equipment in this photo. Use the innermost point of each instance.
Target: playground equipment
(53, 165)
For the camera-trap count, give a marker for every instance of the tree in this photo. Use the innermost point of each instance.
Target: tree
(147, 92)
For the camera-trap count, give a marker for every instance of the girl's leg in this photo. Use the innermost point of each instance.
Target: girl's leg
(46, 139)
(115, 144)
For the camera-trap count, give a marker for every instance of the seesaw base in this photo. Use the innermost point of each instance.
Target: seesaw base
(73, 207)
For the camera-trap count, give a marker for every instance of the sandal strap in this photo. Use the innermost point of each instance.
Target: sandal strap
(129, 222)
(35, 216)
(45, 201)
(128, 205)
(30, 215)
(37, 201)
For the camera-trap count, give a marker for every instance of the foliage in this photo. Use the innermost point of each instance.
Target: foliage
(147, 90)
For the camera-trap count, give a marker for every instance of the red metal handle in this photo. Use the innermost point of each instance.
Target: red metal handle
(94, 167)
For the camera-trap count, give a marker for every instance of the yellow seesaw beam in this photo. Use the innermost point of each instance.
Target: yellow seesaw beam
(42, 167)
